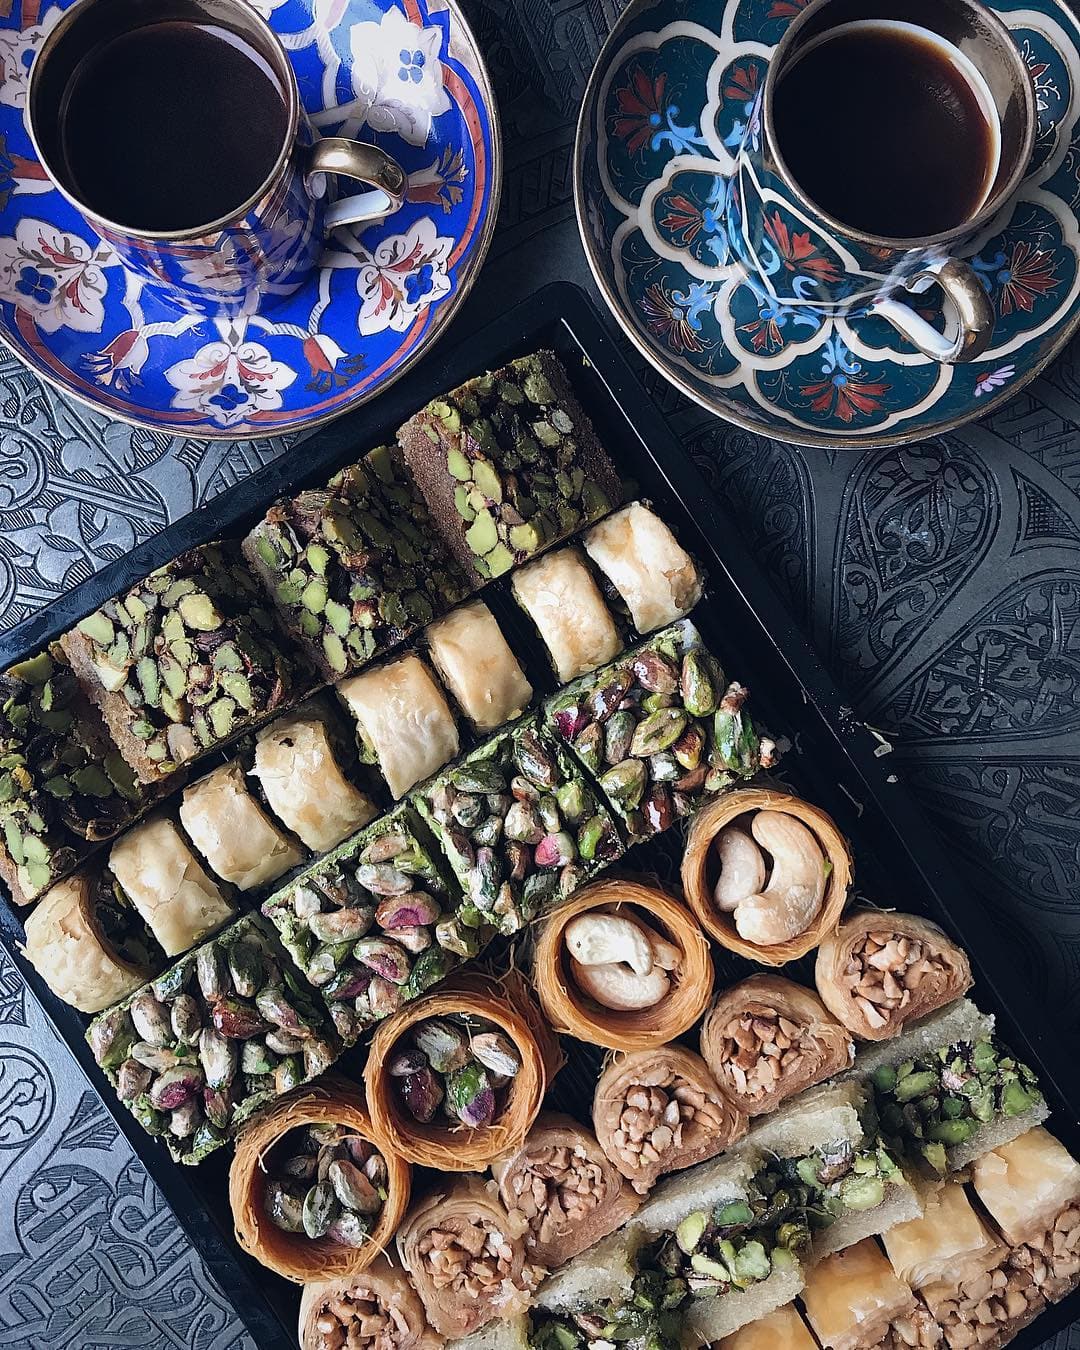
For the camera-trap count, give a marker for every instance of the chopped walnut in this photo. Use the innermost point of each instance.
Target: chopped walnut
(662, 1118)
(759, 1048)
(916, 1330)
(988, 1307)
(885, 970)
(360, 1321)
(467, 1257)
(560, 1189)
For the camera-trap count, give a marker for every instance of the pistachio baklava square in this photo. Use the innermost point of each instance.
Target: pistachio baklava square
(520, 825)
(373, 924)
(64, 785)
(229, 1027)
(358, 566)
(185, 660)
(509, 464)
(660, 729)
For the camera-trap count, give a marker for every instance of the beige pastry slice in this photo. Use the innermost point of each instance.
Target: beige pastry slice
(646, 564)
(167, 885)
(476, 664)
(233, 833)
(564, 602)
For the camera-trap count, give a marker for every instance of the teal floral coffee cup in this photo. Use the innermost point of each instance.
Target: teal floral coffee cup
(856, 195)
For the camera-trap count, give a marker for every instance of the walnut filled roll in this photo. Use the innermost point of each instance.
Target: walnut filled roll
(766, 1039)
(564, 1191)
(374, 1309)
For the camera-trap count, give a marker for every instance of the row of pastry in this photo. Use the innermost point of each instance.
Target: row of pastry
(297, 790)
(790, 1211)
(228, 635)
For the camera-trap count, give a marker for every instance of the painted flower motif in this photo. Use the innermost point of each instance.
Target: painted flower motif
(990, 380)
(673, 316)
(119, 364)
(397, 76)
(844, 393)
(787, 9)
(323, 354)
(54, 276)
(1029, 273)
(17, 48)
(406, 275)
(440, 183)
(219, 270)
(798, 253)
(742, 86)
(640, 105)
(229, 381)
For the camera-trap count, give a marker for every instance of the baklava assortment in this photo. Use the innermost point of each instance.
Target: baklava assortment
(350, 946)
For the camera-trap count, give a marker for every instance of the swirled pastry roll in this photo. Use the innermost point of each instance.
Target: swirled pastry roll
(374, 1309)
(660, 1110)
(404, 724)
(167, 885)
(767, 1038)
(646, 564)
(562, 1188)
(476, 664)
(465, 1262)
(302, 780)
(232, 831)
(879, 971)
(564, 602)
(87, 945)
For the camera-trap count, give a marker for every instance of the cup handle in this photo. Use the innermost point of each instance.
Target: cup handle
(970, 323)
(367, 164)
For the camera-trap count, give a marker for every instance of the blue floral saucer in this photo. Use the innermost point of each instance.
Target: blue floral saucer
(663, 116)
(403, 73)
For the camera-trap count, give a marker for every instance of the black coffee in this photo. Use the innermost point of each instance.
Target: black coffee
(884, 131)
(170, 126)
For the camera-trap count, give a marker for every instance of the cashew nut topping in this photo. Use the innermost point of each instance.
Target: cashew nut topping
(742, 868)
(595, 939)
(616, 986)
(664, 954)
(788, 904)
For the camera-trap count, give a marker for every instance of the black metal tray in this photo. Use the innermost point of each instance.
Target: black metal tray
(898, 860)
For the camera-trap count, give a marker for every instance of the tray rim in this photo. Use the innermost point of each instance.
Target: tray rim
(567, 306)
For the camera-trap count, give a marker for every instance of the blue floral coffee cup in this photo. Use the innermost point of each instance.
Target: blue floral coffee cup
(261, 246)
(807, 258)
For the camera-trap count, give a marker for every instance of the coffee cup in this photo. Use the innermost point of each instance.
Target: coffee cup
(175, 128)
(886, 136)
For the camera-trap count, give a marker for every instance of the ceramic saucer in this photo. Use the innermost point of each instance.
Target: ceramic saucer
(406, 75)
(662, 118)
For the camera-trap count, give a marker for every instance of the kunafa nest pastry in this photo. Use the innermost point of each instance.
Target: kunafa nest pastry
(661, 1110)
(562, 1189)
(766, 873)
(343, 1220)
(767, 1038)
(458, 1077)
(372, 1309)
(466, 1263)
(879, 971)
(623, 965)
(75, 940)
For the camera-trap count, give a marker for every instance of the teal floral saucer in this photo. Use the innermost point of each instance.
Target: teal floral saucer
(663, 117)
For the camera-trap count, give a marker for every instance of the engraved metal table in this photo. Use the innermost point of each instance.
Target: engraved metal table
(940, 581)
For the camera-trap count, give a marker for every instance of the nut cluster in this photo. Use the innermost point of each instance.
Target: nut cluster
(523, 467)
(360, 1320)
(915, 1330)
(980, 1309)
(655, 1118)
(926, 1106)
(758, 1049)
(885, 970)
(467, 1257)
(62, 782)
(462, 1064)
(560, 1188)
(219, 1034)
(658, 730)
(185, 658)
(521, 829)
(326, 1181)
(367, 926)
(356, 566)
(1053, 1260)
